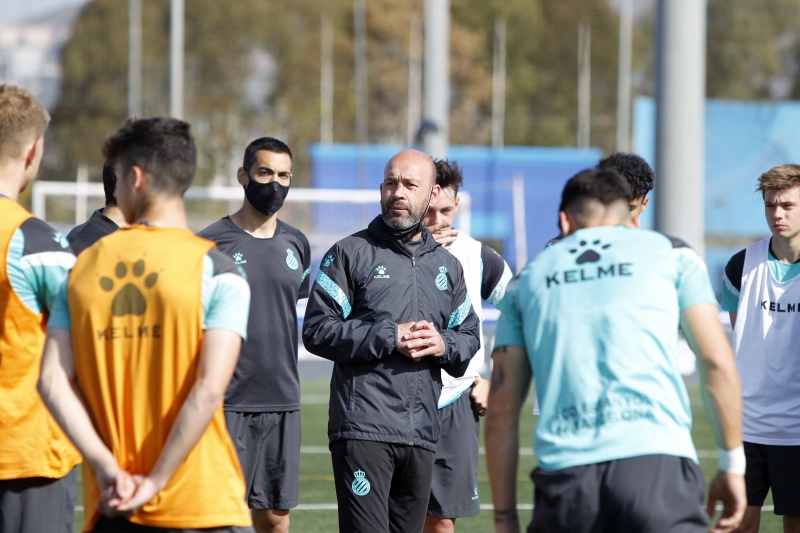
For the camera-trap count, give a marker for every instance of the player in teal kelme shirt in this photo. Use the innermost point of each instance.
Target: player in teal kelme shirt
(595, 319)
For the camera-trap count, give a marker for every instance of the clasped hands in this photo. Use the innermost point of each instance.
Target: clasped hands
(419, 339)
(122, 493)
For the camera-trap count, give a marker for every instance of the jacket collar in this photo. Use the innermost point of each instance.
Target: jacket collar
(378, 229)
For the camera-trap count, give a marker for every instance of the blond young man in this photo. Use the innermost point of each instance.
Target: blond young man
(761, 291)
(37, 481)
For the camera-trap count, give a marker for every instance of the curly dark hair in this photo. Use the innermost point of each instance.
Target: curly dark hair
(634, 169)
(448, 174)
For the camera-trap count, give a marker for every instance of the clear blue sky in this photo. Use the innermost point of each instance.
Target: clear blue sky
(12, 11)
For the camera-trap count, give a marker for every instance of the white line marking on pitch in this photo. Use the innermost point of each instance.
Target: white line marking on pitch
(484, 507)
(702, 454)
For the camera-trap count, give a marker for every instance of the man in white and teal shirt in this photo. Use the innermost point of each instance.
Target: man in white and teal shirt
(761, 291)
(595, 320)
(454, 488)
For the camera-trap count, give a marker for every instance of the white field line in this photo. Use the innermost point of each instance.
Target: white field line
(312, 450)
(317, 450)
(484, 507)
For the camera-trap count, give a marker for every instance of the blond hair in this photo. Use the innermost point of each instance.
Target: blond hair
(23, 120)
(779, 178)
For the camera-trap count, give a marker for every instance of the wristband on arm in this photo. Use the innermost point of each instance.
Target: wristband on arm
(732, 461)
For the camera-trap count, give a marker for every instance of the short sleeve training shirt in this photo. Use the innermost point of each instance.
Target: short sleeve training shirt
(139, 302)
(34, 259)
(86, 234)
(598, 316)
(277, 268)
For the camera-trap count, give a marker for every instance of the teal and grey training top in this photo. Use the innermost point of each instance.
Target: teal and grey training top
(598, 316)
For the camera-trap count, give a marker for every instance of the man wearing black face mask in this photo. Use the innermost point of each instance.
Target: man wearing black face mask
(262, 404)
(390, 308)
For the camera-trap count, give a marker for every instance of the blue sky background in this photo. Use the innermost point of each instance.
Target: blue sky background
(13, 11)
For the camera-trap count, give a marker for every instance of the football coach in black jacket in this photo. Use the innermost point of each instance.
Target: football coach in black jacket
(390, 309)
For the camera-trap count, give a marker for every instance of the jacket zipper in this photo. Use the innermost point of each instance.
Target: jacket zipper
(416, 372)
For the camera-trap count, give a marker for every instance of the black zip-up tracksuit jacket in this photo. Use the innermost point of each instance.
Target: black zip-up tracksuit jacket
(369, 283)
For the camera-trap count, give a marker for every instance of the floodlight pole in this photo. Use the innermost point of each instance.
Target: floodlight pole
(134, 58)
(360, 45)
(326, 81)
(624, 76)
(499, 83)
(436, 102)
(680, 120)
(414, 80)
(584, 84)
(176, 15)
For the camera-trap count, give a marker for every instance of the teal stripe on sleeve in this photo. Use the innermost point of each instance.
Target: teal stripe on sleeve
(19, 282)
(335, 292)
(226, 300)
(59, 314)
(305, 274)
(36, 277)
(458, 316)
(500, 289)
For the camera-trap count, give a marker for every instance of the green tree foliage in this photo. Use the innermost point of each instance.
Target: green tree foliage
(252, 67)
(752, 49)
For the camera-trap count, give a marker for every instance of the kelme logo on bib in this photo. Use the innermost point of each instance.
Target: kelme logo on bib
(291, 260)
(441, 279)
(360, 484)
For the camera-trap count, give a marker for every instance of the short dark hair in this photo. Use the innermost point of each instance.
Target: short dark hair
(161, 146)
(633, 168)
(448, 174)
(270, 144)
(109, 182)
(603, 185)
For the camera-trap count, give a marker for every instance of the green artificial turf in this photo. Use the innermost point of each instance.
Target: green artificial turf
(316, 479)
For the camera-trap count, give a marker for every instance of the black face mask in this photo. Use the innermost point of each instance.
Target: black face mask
(267, 198)
(405, 233)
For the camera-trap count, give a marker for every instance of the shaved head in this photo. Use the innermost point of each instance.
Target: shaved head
(413, 159)
(407, 188)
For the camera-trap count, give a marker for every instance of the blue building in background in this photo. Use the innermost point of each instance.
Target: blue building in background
(488, 178)
(743, 140)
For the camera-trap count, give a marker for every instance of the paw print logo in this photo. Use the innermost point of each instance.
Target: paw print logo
(238, 258)
(589, 251)
(59, 239)
(129, 300)
(380, 269)
(328, 261)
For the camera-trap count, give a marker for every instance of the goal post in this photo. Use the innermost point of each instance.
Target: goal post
(324, 215)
